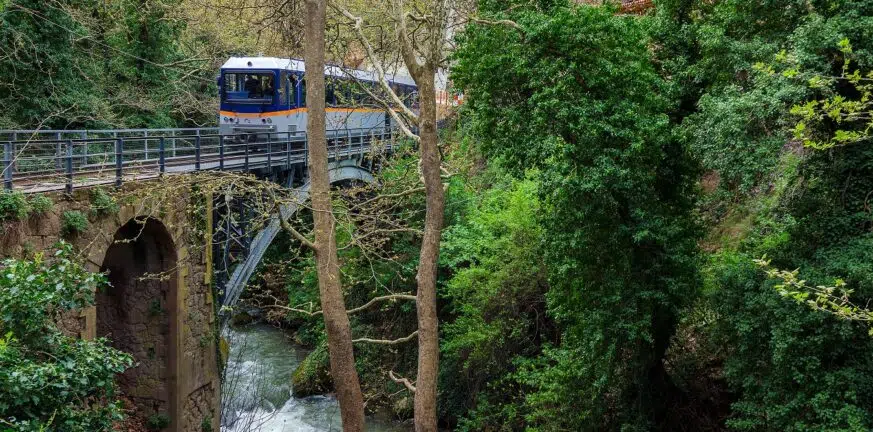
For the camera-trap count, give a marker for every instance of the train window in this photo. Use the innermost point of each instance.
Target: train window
(283, 89)
(303, 92)
(292, 89)
(413, 99)
(240, 87)
(329, 92)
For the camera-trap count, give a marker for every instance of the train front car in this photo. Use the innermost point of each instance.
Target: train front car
(267, 95)
(260, 95)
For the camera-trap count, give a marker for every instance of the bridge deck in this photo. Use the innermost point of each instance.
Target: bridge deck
(63, 160)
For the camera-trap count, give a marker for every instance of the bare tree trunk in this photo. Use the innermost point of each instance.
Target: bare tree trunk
(336, 320)
(428, 327)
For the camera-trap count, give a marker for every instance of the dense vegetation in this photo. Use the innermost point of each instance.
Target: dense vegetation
(50, 380)
(614, 179)
(92, 64)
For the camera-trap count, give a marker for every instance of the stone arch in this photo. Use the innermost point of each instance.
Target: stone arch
(138, 312)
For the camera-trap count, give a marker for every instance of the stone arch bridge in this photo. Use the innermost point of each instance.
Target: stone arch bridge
(162, 304)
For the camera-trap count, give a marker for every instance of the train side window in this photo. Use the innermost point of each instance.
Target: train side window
(292, 89)
(329, 92)
(302, 86)
(413, 98)
(283, 89)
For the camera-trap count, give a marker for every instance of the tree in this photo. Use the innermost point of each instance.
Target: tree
(423, 53)
(571, 94)
(336, 320)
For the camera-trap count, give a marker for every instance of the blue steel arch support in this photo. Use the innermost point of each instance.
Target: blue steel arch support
(337, 171)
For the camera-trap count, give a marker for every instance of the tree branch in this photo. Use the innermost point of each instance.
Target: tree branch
(400, 380)
(377, 65)
(388, 341)
(389, 297)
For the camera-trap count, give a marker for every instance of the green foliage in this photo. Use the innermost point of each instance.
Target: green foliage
(834, 299)
(843, 114)
(496, 301)
(103, 203)
(41, 204)
(792, 366)
(206, 424)
(36, 356)
(158, 421)
(575, 96)
(13, 206)
(795, 369)
(73, 222)
(110, 64)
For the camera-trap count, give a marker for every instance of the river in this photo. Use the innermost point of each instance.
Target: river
(257, 388)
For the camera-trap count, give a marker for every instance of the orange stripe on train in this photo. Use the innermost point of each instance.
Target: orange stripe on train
(295, 111)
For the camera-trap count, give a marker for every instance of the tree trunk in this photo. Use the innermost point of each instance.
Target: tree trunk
(428, 327)
(336, 320)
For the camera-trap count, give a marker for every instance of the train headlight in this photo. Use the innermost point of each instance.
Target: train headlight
(269, 120)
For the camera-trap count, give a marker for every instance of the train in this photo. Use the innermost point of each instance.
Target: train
(264, 95)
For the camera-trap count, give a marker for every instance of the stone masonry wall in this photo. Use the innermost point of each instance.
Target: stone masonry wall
(196, 383)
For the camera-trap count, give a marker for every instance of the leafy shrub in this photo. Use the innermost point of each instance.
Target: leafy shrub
(40, 204)
(103, 203)
(73, 222)
(158, 422)
(13, 206)
(49, 381)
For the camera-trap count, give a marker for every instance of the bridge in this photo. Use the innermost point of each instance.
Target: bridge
(168, 323)
(48, 160)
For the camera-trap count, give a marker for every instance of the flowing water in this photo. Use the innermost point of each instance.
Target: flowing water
(256, 394)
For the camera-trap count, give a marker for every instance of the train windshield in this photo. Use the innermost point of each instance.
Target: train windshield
(249, 87)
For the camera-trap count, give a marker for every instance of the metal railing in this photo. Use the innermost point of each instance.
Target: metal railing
(37, 161)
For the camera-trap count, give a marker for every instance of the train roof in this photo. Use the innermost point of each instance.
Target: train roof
(238, 63)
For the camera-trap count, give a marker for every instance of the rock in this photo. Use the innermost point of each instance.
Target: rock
(312, 377)
(242, 318)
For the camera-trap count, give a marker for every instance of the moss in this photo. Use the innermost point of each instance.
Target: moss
(312, 377)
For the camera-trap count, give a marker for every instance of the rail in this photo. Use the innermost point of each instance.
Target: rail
(47, 160)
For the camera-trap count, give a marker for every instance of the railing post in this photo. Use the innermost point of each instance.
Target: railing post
(58, 152)
(306, 149)
(162, 160)
(70, 166)
(221, 152)
(197, 152)
(269, 150)
(349, 142)
(288, 151)
(119, 145)
(84, 148)
(7, 165)
(145, 154)
(246, 162)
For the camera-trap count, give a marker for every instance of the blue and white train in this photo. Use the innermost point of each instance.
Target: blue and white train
(261, 95)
